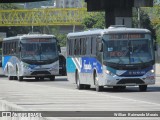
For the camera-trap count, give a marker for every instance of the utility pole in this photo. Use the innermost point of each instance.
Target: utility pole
(139, 20)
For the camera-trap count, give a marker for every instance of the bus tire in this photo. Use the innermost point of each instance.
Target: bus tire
(10, 77)
(142, 87)
(15, 78)
(52, 78)
(79, 85)
(87, 86)
(20, 78)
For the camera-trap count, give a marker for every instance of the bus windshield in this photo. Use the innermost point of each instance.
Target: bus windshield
(39, 50)
(128, 51)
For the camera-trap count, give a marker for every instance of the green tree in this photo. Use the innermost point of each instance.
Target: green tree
(60, 36)
(145, 21)
(8, 6)
(94, 20)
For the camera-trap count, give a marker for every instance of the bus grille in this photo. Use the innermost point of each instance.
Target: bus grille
(41, 73)
(131, 80)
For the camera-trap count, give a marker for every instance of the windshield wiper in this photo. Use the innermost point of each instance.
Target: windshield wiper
(139, 58)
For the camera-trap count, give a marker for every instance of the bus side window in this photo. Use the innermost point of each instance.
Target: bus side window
(81, 46)
(84, 46)
(76, 47)
(68, 47)
(93, 45)
(72, 47)
(4, 49)
(88, 44)
(7, 48)
(10, 48)
(13, 48)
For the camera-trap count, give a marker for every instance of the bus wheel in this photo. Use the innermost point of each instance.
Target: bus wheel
(20, 78)
(52, 78)
(79, 85)
(10, 77)
(87, 86)
(15, 78)
(142, 87)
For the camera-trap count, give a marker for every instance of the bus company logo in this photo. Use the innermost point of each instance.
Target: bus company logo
(6, 114)
(87, 66)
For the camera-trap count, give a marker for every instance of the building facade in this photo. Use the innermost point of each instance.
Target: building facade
(68, 3)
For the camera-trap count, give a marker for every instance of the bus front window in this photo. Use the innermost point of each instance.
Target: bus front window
(48, 51)
(128, 51)
(39, 51)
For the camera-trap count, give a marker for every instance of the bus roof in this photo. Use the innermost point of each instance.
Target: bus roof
(29, 36)
(111, 30)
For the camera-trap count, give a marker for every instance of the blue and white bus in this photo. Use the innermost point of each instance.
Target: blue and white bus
(30, 55)
(116, 57)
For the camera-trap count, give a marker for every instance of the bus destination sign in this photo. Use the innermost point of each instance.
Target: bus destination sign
(126, 36)
(39, 40)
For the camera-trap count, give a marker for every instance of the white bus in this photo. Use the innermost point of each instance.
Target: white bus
(30, 55)
(116, 57)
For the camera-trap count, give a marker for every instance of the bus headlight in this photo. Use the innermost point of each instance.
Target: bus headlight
(25, 66)
(109, 73)
(152, 71)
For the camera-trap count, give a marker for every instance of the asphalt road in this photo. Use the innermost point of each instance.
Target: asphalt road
(61, 95)
(131, 92)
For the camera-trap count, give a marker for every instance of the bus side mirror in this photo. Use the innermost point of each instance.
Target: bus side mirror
(19, 46)
(59, 48)
(155, 46)
(19, 49)
(100, 47)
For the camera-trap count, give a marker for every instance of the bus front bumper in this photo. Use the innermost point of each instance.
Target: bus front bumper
(129, 81)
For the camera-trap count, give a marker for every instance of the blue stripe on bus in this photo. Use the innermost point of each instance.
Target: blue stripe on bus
(5, 60)
(71, 67)
(86, 64)
(89, 64)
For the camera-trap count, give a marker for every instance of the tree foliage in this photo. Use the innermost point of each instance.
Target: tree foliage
(94, 20)
(144, 22)
(154, 15)
(8, 6)
(60, 36)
